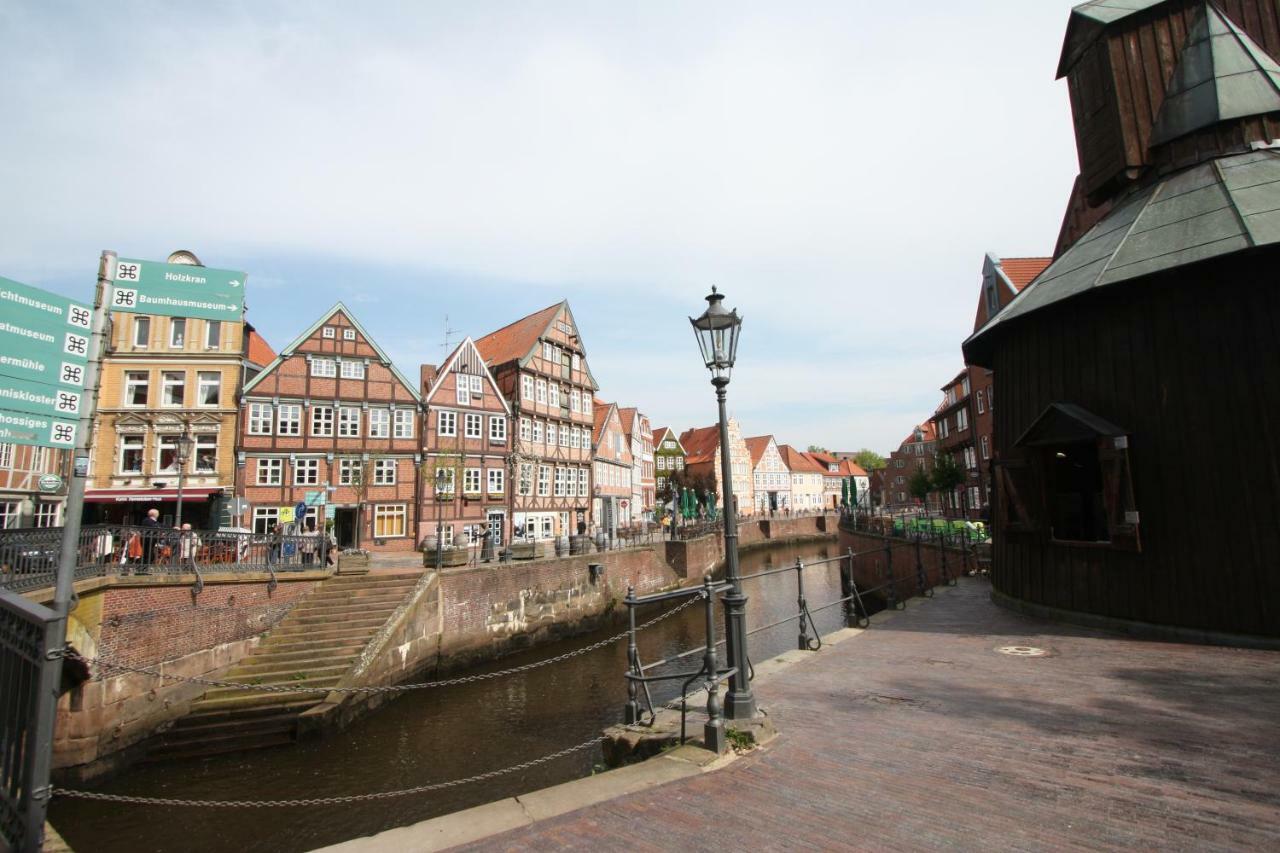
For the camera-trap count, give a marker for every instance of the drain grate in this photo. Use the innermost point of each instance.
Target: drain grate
(1022, 651)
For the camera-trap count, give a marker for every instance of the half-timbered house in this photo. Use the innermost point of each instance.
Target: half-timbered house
(611, 501)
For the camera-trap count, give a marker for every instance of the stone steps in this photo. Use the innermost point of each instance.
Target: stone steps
(315, 645)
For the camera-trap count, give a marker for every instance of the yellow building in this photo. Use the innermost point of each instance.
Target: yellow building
(163, 378)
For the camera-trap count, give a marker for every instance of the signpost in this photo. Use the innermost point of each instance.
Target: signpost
(177, 290)
(35, 430)
(44, 337)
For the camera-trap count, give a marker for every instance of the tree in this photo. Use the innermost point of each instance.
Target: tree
(947, 473)
(813, 448)
(869, 460)
(920, 485)
(452, 462)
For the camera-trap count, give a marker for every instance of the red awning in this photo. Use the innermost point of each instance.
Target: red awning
(129, 495)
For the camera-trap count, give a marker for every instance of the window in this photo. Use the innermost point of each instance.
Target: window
(577, 361)
(172, 387)
(471, 481)
(379, 423)
(962, 420)
(982, 408)
(388, 520)
(544, 481)
(564, 436)
(986, 447)
(212, 334)
(575, 399)
(661, 463)
(206, 454)
(526, 478)
(447, 423)
(322, 421)
(270, 472)
(552, 435)
(142, 332)
(208, 388)
(348, 422)
(403, 421)
(553, 395)
(1077, 512)
(586, 403)
(462, 389)
(540, 389)
(537, 432)
(497, 429)
(526, 387)
(324, 367)
(474, 426)
(260, 417)
(306, 472)
(497, 484)
(131, 454)
(265, 519)
(48, 514)
(348, 334)
(384, 472)
(991, 398)
(526, 430)
(477, 386)
(353, 370)
(446, 488)
(549, 351)
(327, 332)
(349, 472)
(289, 419)
(575, 437)
(679, 463)
(964, 387)
(136, 383)
(6, 455)
(177, 333)
(583, 487)
(560, 481)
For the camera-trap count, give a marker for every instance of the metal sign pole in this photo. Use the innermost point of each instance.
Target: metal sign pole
(56, 633)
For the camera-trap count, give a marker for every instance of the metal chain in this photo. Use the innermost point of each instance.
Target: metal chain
(323, 801)
(373, 689)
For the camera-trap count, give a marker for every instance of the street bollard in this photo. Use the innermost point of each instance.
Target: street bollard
(713, 733)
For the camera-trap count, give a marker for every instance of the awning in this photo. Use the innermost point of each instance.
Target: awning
(146, 495)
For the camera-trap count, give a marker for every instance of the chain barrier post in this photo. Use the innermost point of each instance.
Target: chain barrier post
(801, 607)
(631, 716)
(713, 733)
(846, 590)
(893, 584)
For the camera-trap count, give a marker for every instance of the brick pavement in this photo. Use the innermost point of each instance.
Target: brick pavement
(917, 735)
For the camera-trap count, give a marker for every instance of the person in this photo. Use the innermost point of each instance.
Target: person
(150, 533)
(332, 546)
(308, 546)
(188, 546)
(486, 546)
(273, 550)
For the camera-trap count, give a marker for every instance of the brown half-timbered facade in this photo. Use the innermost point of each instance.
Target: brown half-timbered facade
(540, 364)
(332, 423)
(611, 502)
(466, 445)
(22, 502)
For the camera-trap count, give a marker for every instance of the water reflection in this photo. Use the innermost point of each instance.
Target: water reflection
(431, 736)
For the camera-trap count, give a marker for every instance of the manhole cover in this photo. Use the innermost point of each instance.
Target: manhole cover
(1022, 651)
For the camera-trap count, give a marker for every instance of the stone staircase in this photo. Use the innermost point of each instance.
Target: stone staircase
(313, 646)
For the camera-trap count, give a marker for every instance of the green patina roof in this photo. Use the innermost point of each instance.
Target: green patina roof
(1221, 74)
(1210, 210)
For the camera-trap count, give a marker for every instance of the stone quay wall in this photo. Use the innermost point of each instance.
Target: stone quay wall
(694, 558)
(871, 564)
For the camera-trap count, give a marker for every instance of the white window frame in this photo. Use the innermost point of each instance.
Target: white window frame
(575, 399)
(206, 441)
(205, 380)
(351, 369)
(177, 333)
(537, 432)
(348, 334)
(471, 481)
(141, 332)
(306, 472)
(168, 383)
(268, 515)
(564, 436)
(526, 430)
(212, 334)
(325, 368)
(347, 468)
(497, 429)
(982, 402)
(379, 423)
(402, 423)
(384, 472)
(322, 421)
(496, 481)
(348, 422)
(269, 472)
(137, 442)
(526, 387)
(48, 514)
(261, 418)
(553, 435)
(289, 419)
(584, 486)
(986, 447)
(462, 389)
(328, 332)
(526, 478)
(576, 361)
(544, 481)
(446, 423)
(477, 385)
(450, 477)
(553, 395)
(540, 391)
(473, 425)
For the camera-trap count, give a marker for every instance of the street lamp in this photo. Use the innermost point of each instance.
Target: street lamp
(181, 452)
(441, 480)
(717, 333)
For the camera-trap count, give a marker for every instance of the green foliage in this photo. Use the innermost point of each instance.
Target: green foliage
(920, 485)
(739, 740)
(813, 448)
(869, 460)
(947, 472)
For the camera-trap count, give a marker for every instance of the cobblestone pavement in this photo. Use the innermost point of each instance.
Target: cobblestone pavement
(919, 735)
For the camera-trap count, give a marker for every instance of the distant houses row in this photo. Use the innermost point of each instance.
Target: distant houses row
(508, 435)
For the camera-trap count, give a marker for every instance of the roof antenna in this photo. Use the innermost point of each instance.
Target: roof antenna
(447, 333)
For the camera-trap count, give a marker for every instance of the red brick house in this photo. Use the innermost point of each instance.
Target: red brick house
(612, 500)
(914, 453)
(540, 365)
(331, 416)
(21, 468)
(466, 440)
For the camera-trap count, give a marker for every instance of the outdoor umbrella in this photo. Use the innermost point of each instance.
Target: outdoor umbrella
(844, 493)
(711, 504)
(686, 503)
(853, 492)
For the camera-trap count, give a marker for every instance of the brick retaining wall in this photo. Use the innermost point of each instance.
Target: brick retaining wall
(870, 567)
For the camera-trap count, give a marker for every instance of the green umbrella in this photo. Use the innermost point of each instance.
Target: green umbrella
(686, 503)
(844, 493)
(853, 492)
(711, 504)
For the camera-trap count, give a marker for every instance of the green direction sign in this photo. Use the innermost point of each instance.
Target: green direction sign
(36, 430)
(177, 290)
(44, 337)
(36, 398)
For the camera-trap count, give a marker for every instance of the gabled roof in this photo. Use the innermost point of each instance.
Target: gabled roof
(1063, 423)
(440, 374)
(338, 308)
(1087, 22)
(852, 469)
(628, 418)
(660, 435)
(701, 444)
(1221, 74)
(516, 341)
(600, 413)
(257, 350)
(1212, 209)
(756, 447)
(798, 462)
(1020, 272)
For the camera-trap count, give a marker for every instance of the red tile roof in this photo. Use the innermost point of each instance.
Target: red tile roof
(756, 447)
(849, 468)
(628, 418)
(798, 461)
(1022, 271)
(516, 340)
(823, 459)
(600, 412)
(258, 352)
(701, 444)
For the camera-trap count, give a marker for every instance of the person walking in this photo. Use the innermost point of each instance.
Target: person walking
(150, 534)
(188, 547)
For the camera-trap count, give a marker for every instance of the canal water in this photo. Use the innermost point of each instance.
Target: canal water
(432, 736)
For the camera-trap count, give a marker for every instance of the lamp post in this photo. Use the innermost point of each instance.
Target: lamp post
(440, 484)
(181, 451)
(717, 333)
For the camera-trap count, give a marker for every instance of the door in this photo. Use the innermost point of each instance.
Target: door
(344, 526)
(497, 522)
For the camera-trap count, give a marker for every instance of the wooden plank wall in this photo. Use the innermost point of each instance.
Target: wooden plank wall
(1188, 365)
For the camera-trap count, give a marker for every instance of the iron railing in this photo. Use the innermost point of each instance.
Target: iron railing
(29, 556)
(27, 634)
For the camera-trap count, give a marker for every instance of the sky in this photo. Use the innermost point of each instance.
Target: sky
(838, 170)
